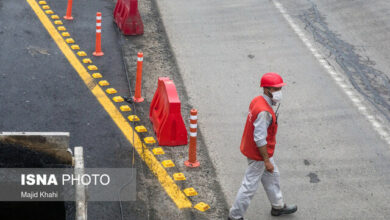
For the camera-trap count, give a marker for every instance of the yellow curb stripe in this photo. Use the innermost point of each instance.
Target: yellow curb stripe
(147, 156)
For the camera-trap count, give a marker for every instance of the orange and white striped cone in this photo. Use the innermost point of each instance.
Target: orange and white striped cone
(138, 84)
(192, 162)
(98, 51)
(68, 15)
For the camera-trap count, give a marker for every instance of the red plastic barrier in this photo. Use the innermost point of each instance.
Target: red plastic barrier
(127, 17)
(165, 115)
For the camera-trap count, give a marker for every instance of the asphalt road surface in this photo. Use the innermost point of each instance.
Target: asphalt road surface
(40, 91)
(332, 150)
(333, 139)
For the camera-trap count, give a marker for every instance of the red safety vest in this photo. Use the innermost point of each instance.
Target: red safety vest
(248, 145)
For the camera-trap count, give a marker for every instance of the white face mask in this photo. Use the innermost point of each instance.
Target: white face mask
(277, 96)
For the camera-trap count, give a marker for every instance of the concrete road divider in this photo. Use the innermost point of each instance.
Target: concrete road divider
(165, 114)
(55, 144)
(81, 198)
(127, 17)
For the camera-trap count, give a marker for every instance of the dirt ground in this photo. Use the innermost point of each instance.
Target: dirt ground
(159, 61)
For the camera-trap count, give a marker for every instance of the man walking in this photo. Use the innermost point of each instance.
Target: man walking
(258, 144)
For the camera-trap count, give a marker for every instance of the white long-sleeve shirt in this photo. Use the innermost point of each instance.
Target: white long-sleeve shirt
(261, 124)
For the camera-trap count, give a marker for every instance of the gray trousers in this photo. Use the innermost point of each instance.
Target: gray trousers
(254, 173)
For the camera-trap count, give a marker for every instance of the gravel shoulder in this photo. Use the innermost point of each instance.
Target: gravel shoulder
(159, 61)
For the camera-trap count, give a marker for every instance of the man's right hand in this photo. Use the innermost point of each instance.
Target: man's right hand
(269, 166)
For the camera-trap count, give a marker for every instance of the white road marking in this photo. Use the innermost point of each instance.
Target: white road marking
(335, 75)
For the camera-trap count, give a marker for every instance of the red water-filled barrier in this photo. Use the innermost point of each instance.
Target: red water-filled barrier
(127, 17)
(165, 114)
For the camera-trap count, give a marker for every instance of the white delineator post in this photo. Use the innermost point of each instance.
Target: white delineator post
(192, 162)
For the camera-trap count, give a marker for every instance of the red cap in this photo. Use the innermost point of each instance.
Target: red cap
(271, 80)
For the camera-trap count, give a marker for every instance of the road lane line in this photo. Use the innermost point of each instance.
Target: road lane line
(154, 165)
(352, 95)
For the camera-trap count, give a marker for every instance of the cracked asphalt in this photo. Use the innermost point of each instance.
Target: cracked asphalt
(369, 81)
